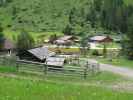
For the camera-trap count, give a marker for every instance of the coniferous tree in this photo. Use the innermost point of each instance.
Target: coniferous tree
(2, 39)
(129, 43)
(68, 30)
(112, 14)
(24, 42)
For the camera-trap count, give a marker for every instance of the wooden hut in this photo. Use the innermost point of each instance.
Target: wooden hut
(66, 40)
(100, 39)
(39, 54)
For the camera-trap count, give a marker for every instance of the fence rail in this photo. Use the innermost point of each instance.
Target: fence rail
(42, 68)
(64, 70)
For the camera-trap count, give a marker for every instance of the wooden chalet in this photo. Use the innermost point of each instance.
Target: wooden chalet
(39, 54)
(100, 39)
(43, 55)
(66, 40)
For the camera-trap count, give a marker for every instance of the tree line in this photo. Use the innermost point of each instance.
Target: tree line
(94, 15)
(110, 15)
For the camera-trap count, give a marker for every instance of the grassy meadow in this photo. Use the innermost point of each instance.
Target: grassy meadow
(36, 35)
(19, 89)
(104, 77)
(25, 86)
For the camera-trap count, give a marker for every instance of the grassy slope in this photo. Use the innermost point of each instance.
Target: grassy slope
(59, 88)
(38, 14)
(17, 89)
(57, 7)
(105, 77)
(36, 35)
(129, 2)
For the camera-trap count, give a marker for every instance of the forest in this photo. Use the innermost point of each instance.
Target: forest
(66, 49)
(74, 17)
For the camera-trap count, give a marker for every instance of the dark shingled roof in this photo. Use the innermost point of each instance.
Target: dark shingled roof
(41, 53)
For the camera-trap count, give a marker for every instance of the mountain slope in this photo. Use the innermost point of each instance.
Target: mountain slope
(40, 15)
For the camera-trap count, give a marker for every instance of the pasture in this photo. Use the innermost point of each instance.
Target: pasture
(57, 89)
(36, 35)
(17, 85)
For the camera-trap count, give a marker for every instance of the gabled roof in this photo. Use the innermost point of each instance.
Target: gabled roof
(41, 52)
(100, 38)
(55, 61)
(65, 38)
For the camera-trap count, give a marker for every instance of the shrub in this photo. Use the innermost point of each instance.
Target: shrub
(95, 53)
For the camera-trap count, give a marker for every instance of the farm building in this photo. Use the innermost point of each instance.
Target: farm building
(100, 39)
(66, 40)
(37, 54)
(41, 53)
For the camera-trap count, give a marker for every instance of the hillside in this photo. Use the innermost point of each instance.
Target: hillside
(39, 15)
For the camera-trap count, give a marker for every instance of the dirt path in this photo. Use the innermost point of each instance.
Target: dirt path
(127, 72)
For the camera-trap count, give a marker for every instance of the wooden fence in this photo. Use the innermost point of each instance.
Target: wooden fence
(83, 70)
(8, 60)
(66, 70)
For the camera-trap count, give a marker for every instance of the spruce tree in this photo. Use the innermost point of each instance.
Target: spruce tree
(129, 45)
(2, 39)
(24, 42)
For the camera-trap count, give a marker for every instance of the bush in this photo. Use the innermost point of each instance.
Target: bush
(95, 53)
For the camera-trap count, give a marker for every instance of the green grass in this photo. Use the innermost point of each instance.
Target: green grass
(7, 69)
(36, 35)
(129, 2)
(122, 62)
(105, 77)
(109, 45)
(54, 87)
(18, 89)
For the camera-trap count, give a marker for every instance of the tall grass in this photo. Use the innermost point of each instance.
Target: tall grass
(14, 89)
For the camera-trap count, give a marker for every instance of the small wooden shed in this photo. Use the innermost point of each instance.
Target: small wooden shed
(100, 39)
(66, 40)
(40, 53)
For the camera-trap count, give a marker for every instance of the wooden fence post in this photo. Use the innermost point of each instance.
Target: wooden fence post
(4, 59)
(98, 67)
(85, 70)
(17, 66)
(45, 69)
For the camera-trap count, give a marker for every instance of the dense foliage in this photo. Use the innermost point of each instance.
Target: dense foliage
(24, 42)
(76, 17)
(1, 37)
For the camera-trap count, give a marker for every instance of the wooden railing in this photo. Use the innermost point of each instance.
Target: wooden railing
(84, 69)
